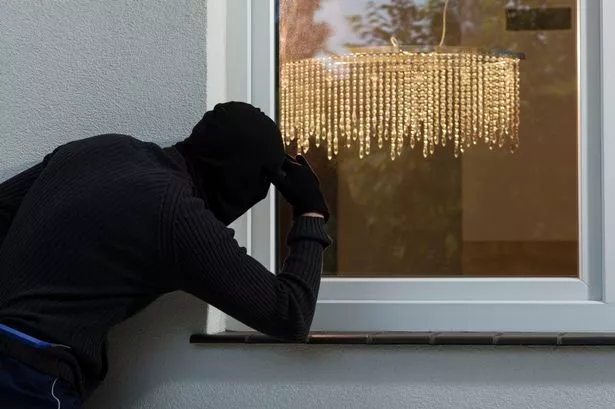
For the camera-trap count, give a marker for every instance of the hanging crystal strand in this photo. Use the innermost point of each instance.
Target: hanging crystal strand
(436, 105)
(381, 88)
(486, 123)
(307, 90)
(336, 106)
(512, 102)
(411, 84)
(308, 106)
(420, 102)
(516, 105)
(293, 104)
(498, 102)
(442, 126)
(450, 127)
(457, 106)
(424, 84)
(312, 98)
(289, 101)
(475, 74)
(433, 107)
(389, 101)
(489, 102)
(481, 99)
(299, 106)
(305, 121)
(357, 89)
(474, 80)
(462, 103)
(326, 101)
(330, 108)
(370, 96)
(360, 109)
(508, 95)
(341, 112)
(289, 105)
(399, 100)
(495, 102)
(392, 103)
(386, 105)
(496, 106)
(302, 107)
(406, 104)
(435, 79)
(429, 106)
(324, 117)
(304, 93)
(282, 97)
(486, 87)
(460, 88)
(507, 101)
(466, 113)
(363, 105)
(318, 110)
(283, 104)
(488, 107)
(370, 110)
(347, 115)
(493, 114)
(293, 101)
(499, 95)
(503, 98)
(373, 84)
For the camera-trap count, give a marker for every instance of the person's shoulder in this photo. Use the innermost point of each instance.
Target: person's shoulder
(98, 142)
(106, 138)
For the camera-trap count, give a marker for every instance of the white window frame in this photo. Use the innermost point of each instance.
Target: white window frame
(586, 304)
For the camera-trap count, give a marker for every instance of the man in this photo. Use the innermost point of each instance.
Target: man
(104, 226)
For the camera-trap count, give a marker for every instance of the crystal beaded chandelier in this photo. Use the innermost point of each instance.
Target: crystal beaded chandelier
(398, 95)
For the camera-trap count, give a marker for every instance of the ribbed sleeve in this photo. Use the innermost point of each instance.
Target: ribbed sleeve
(212, 266)
(12, 193)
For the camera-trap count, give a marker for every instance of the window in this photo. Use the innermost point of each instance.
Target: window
(489, 241)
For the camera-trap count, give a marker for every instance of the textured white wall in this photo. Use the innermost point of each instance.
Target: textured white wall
(72, 68)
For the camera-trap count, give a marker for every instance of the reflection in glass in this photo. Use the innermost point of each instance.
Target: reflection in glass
(487, 213)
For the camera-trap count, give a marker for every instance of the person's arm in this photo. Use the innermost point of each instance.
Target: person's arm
(12, 192)
(212, 266)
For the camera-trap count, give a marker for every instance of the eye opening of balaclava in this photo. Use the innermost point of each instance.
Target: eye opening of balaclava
(233, 152)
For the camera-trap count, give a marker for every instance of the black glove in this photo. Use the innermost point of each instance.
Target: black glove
(299, 185)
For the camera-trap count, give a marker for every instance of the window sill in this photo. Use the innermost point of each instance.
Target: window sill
(417, 338)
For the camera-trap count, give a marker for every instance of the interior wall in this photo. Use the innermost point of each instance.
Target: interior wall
(531, 195)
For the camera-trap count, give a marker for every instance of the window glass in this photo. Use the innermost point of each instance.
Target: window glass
(487, 212)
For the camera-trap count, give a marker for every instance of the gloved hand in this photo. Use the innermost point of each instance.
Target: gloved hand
(299, 185)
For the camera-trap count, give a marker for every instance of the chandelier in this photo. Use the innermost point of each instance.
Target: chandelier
(425, 96)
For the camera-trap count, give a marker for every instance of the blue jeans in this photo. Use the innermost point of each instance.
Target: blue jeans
(22, 387)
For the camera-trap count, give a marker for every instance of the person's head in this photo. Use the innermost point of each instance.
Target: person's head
(234, 148)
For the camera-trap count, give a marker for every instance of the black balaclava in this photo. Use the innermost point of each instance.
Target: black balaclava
(231, 154)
